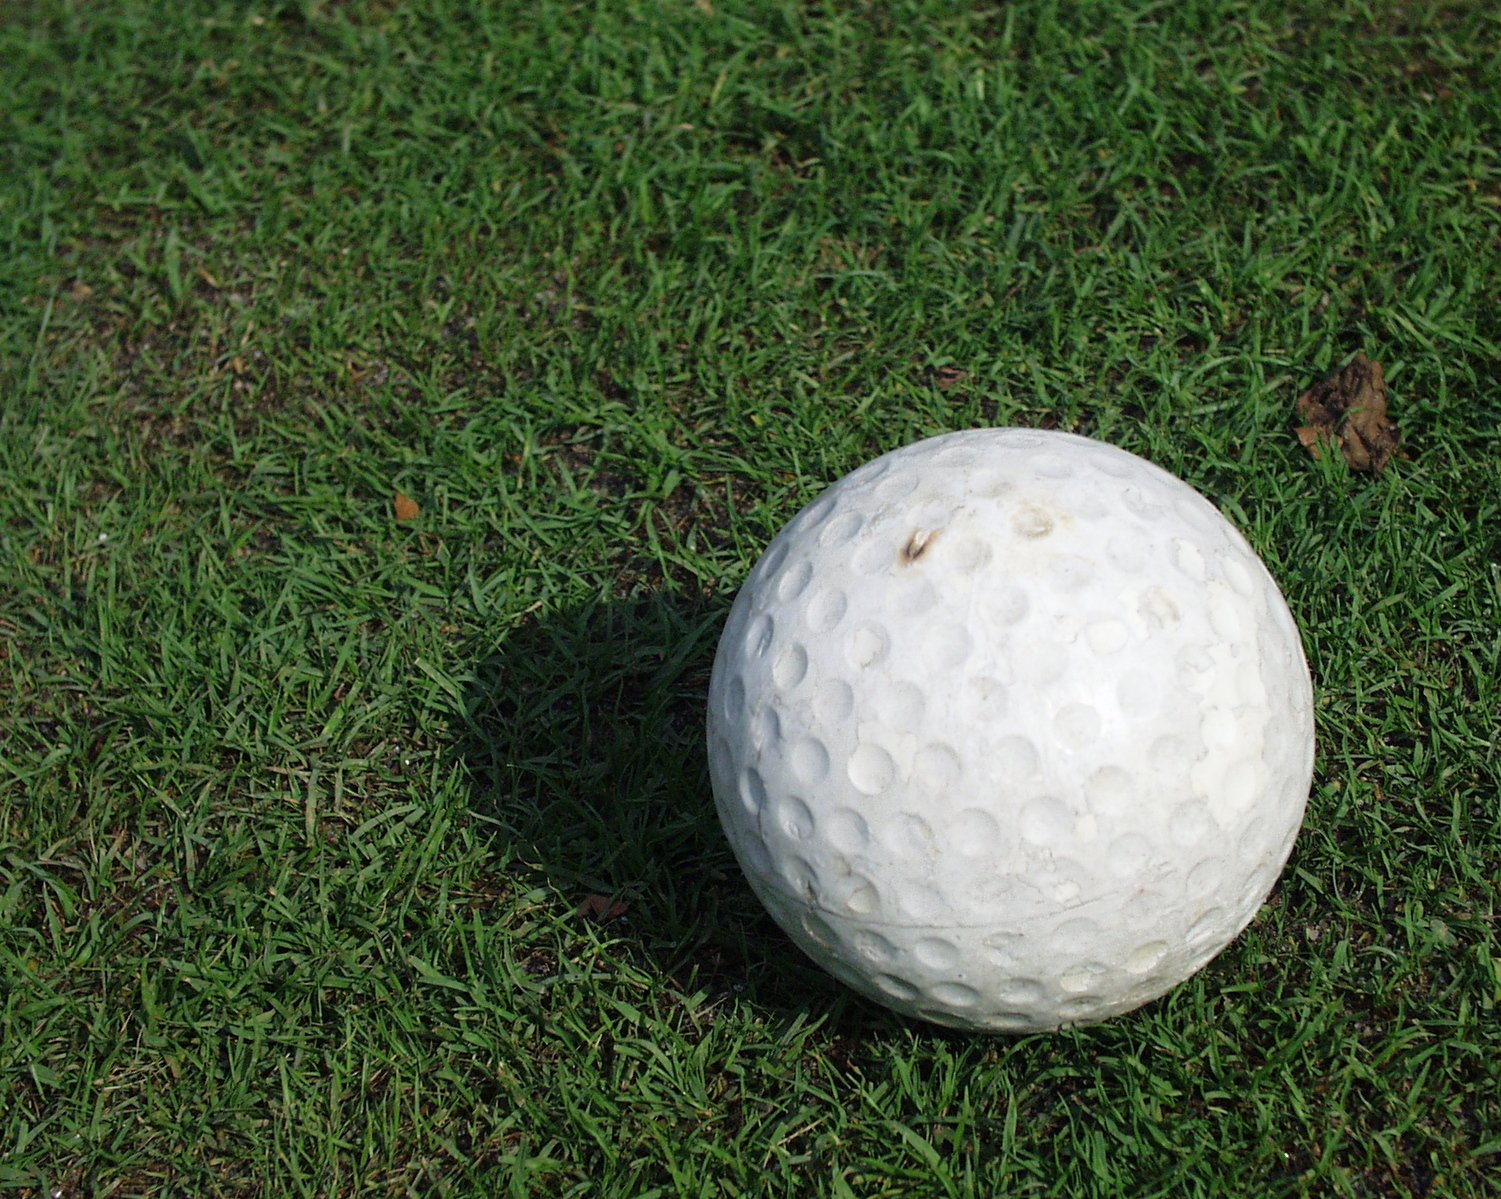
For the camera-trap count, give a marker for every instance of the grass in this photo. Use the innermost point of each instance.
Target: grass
(298, 804)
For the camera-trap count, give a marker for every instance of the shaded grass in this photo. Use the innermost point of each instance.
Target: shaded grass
(299, 803)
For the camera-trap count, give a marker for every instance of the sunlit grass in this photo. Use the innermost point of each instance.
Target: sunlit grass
(299, 803)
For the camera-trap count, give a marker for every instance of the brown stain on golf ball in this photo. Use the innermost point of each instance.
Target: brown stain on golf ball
(1032, 521)
(1159, 608)
(921, 541)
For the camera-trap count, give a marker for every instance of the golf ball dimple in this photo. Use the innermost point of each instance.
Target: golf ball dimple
(1010, 730)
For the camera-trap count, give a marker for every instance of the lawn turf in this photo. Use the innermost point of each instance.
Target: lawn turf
(299, 803)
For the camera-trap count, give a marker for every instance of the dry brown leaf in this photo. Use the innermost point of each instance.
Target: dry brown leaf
(1348, 410)
(946, 376)
(603, 908)
(406, 508)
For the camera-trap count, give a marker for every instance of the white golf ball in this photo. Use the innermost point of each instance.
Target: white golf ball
(1010, 730)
